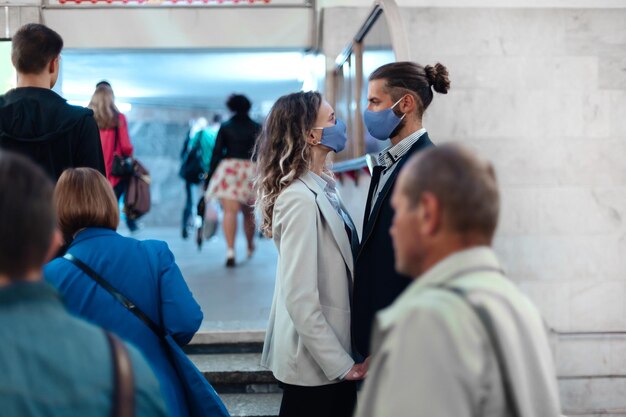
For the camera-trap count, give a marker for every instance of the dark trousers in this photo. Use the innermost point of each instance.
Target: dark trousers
(188, 204)
(334, 400)
(119, 190)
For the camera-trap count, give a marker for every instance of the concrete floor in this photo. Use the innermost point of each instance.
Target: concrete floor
(231, 298)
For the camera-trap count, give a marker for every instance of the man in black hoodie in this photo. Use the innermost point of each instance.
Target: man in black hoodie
(37, 122)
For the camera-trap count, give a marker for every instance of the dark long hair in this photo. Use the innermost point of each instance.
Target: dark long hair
(409, 77)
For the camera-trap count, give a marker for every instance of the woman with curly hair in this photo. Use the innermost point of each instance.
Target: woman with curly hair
(308, 343)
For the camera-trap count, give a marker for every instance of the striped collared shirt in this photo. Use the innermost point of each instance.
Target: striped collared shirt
(390, 156)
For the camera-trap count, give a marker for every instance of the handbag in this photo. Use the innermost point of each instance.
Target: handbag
(191, 169)
(122, 165)
(123, 379)
(202, 400)
(137, 198)
(211, 219)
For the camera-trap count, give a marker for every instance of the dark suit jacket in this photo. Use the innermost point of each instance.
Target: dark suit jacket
(235, 139)
(376, 282)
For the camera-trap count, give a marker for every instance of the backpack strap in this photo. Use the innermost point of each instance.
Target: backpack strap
(487, 322)
(121, 298)
(117, 135)
(123, 379)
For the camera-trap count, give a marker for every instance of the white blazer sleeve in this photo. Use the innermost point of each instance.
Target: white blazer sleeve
(295, 220)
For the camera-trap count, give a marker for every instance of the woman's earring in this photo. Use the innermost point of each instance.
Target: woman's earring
(314, 141)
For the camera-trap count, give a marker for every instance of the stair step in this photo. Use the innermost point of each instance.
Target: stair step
(198, 349)
(242, 369)
(226, 341)
(228, 337)
(252, 405)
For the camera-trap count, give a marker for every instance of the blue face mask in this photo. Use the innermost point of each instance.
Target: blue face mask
(381, 124)
(334, 136)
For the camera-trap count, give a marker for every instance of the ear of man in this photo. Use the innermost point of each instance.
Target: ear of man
(407, 104)
(430, 214)
(55, 244)
(52, 66)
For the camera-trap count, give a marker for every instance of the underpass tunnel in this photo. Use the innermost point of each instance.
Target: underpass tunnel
(539, 88)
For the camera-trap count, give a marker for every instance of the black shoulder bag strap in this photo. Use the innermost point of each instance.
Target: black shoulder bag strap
(121, 298)
(487, 322)
(116, 140)
(123, 379)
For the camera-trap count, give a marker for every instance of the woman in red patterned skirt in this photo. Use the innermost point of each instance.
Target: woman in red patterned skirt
(232, 172)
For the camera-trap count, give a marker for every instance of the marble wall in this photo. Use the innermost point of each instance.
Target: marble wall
(157, 135)
(542, 93)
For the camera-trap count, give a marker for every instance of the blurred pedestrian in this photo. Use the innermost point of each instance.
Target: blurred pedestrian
(231, 173)
(37, 122)
(54, 363)
(115, 142)
(195, 159)
(462, 340)
(142, 271)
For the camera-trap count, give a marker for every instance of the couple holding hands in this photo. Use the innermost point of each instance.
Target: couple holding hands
(329, 285)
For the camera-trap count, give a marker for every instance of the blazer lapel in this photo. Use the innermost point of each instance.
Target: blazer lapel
(371, 221)
(336, 223)
(370, 195)
(354, 242)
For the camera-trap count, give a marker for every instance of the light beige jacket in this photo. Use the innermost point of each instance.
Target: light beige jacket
(432, 356)
(308, 336)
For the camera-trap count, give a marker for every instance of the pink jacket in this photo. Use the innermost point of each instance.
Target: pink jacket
(124, 147)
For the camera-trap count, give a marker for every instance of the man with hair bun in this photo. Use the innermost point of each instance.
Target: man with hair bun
(461, 340)
(398, 95)
(37, 122)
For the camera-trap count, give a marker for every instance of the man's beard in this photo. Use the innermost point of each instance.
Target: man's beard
(397, 129)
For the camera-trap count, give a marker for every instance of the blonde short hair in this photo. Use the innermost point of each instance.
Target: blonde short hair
(84, 198)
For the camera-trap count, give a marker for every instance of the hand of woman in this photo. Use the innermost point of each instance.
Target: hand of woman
(366, 364)
(356, 373)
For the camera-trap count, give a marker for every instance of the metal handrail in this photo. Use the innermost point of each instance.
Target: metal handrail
(599, 411)
(350, 165)
(587, 333)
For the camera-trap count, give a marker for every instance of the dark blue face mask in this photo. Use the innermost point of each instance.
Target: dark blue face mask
(381, 124)
(334, 136)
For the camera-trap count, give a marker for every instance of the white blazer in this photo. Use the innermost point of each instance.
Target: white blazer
(308, 339)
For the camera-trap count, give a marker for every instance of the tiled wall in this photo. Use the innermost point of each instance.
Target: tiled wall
(157, 135)
(542, 93)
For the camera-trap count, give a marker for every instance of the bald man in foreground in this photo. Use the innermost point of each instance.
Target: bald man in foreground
(461, 340)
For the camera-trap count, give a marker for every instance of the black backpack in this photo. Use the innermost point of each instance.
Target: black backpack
(191, 169)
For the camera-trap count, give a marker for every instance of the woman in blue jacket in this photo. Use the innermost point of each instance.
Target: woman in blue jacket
(143, 271)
